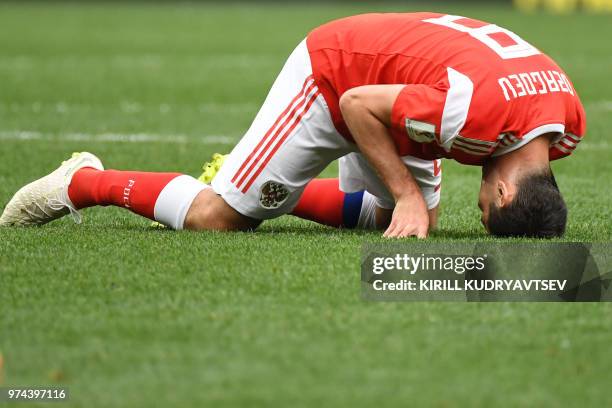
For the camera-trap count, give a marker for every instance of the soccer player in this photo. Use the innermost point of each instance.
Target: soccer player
(385, 86)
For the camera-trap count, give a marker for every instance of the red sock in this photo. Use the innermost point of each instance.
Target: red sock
(137, 191)
(322, 202)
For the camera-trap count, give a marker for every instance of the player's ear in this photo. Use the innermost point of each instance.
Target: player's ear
(502, 194)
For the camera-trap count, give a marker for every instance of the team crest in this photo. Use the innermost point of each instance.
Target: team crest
(272, 195)
(421, 132)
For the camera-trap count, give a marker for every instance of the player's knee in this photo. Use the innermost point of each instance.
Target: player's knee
(210, 212)
(210, 219)
(200, 218)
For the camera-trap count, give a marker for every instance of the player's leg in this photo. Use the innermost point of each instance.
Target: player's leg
(163, 197)
(210, 212)
(82, 182)
(258, 179)
(368, 205)
(323, 202)
(291, 140)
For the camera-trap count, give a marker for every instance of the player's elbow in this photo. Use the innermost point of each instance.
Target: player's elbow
(350, 102)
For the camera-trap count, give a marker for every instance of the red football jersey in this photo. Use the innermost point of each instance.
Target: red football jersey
(473, 89)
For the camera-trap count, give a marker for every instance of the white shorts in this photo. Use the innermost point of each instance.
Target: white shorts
(356, 174)
(290, 142)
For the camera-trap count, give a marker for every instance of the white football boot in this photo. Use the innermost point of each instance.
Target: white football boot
(46, 199)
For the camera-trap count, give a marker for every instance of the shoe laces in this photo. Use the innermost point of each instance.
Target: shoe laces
(33, 214)
(57, 204)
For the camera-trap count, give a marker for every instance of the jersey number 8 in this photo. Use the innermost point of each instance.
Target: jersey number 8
(504, 42)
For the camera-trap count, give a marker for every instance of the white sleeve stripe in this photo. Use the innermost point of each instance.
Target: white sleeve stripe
(563, 149)
(528, 137)
(476, 141)
(569, 142)
(477, 148)
(456, 107)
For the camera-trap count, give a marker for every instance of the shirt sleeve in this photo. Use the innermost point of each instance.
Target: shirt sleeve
(417, 113)
(434, 115)
(575, 129)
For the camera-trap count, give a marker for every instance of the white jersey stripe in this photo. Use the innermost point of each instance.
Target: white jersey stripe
(475, 141)
(563, 149)
(569, 142)
(456, 107)
(529, 136)
(471, 146)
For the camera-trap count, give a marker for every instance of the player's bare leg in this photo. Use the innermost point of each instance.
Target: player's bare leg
(210, 212)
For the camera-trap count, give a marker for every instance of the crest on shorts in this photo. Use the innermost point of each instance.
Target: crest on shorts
(272, 195)
(421, 132)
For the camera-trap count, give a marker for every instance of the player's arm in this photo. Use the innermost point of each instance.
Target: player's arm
(367, 112)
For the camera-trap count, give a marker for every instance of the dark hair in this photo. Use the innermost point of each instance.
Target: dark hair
(538, 210)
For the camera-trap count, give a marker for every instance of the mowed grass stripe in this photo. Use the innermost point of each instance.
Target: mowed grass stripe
(33, 136)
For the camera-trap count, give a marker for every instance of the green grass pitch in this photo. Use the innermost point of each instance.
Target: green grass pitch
(127, 316)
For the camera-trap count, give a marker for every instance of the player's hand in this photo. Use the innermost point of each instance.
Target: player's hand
(410, 218)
